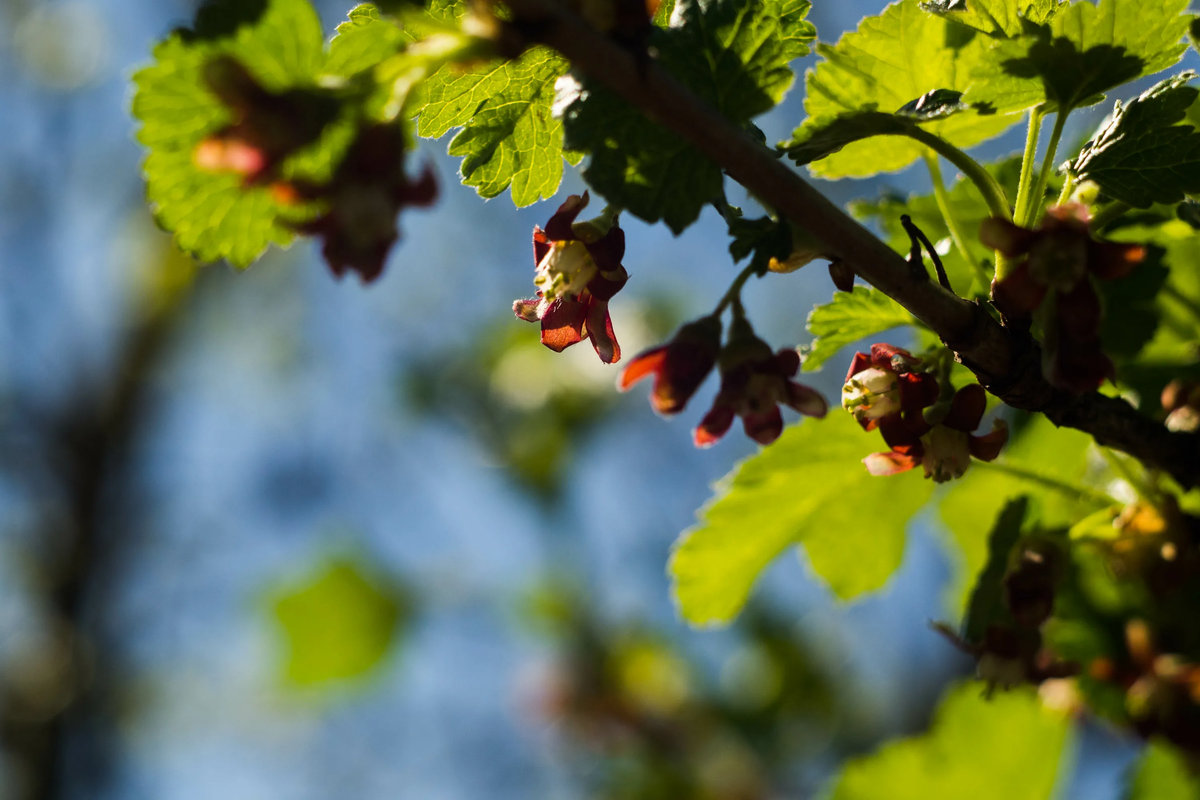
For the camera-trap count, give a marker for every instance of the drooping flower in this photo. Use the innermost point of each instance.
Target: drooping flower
(883, 384)
(578, 270)
(678, 367)
(368, 191)
(266, 128)
(753, 383)
(1059, 260)
(944, 449)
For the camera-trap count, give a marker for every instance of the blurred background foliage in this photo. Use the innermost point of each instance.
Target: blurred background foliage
(268, 535)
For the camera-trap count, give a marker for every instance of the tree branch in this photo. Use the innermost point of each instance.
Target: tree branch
(1007, 363)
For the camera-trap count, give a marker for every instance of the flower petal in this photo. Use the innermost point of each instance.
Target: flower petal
(904, 431)
(1018, 293)
(558, 228)
(642, 366)
(764, 428)
(806, 400)
(608, 250)
(918, 390)
(600, 330)
(1008, 238)
(893, 463)
(885, 356)
(562, 324)
(966, 409)
(541, 245)
(861, 362)
(716, 423)
(986, 448)
(787, 362)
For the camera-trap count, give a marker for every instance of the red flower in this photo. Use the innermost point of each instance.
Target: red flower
(945, 449)
(578, 272)
(678, 367)
(367, 192)
(267, 127)
(753, 382)
(882, 384)
(1059, 260)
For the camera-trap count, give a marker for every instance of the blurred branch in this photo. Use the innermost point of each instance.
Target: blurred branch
(1007, 362)
(91, 442)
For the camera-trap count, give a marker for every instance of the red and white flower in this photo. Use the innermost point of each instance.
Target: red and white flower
(944, 450)
(678, 367)
(578, 271)
(754, 381)
(883, 384)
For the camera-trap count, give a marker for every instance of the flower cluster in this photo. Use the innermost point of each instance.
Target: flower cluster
(362, 201)
(578, 271)
(267, 127)
(885, 390)
(754, 380)
(1057, 263)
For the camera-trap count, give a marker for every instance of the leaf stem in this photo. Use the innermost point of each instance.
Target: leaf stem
(1037, 199)
(1036, 115)
(734, 295)
(1067, 190)
(992, 193)
(1073, 490)
(952, 222)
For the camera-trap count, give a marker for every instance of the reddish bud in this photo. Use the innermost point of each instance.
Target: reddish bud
(678, 367)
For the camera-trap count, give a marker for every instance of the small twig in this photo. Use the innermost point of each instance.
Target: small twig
(919, 238)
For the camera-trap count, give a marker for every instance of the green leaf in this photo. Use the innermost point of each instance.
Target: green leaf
(212, 215)
(1083, 52)
(1006, 748)
(735, 54)
(1162, 774)
(809, 488)
(364, 40)
(1057, 453)
(1143, 155)
(851, 316)
(987, 599)
(509, 136)
(891, 59)
(338, 624)
(821, 137)
(1004, 18)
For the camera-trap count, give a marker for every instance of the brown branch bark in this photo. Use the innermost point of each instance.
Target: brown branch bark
(1006, 363)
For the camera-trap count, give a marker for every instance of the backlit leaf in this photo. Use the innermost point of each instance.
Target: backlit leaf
(808, 488)
(1083, 52)
(891, 60)
(1005, 748)
(851, 316)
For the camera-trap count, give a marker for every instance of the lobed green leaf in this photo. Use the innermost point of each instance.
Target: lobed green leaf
(808, 488)
(1004, 748)
(1163, 774)
(1005, 18)
(1146, 153)
(1084, 51)
(851, 316)
(892, 59)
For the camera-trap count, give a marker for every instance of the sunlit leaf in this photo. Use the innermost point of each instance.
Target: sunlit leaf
(995, 17)
(1083, 52)
(890, 61)
(1162, 774)
(808, 488)
(1005, 748)
(850, 317)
